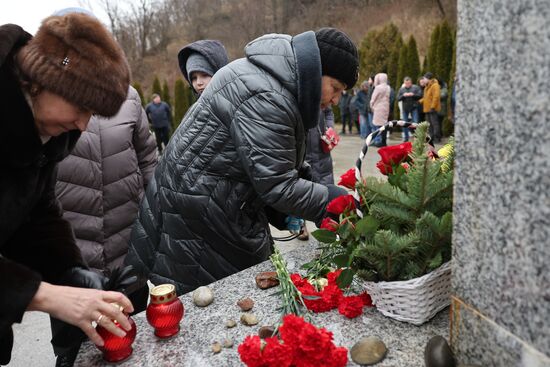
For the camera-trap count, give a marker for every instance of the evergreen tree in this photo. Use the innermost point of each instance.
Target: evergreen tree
(376, 49)
(157, 89)
(137, 87)
(403, 66)
(413, 61)
(432, 61)
(444, 52)
(166, 93)
(180, 103)
(393, 62)
(424, 66)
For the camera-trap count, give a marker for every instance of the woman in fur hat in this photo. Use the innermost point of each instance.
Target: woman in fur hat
(50, 86)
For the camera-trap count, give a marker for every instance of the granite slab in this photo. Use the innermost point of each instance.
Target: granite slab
(501, 198)
(201, 327)
(479, 340)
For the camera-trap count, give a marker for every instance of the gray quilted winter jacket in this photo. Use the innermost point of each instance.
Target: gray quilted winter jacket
(100, 184)
(237, 150)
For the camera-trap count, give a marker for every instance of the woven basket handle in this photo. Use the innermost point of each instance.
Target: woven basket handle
(358, 175)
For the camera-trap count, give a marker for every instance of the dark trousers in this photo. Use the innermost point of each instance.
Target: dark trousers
(162, 134)
(435, 126)
(346, 120)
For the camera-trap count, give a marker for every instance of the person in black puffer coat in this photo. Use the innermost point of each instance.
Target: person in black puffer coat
(237, 151)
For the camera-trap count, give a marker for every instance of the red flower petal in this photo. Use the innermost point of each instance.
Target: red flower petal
(329, 224)
(348, 179)
(351, 306)
(341, 204)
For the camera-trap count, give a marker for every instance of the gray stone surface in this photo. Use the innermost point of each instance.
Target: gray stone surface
(502, 198)
(32, 337)
(203, 326)
(480, 341)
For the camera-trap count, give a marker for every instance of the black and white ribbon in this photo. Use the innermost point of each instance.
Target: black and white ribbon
(382, 130)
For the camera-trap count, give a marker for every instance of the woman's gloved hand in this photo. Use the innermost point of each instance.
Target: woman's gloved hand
(294, 224)
(83, 278)
(333, 192)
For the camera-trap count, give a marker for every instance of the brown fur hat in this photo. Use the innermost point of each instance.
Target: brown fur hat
(76, 57)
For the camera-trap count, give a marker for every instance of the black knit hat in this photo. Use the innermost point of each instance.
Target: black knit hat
(339, 57)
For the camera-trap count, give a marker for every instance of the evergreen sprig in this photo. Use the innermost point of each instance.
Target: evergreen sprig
(406, 227)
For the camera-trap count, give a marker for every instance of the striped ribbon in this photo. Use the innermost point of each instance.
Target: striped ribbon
(383, 129)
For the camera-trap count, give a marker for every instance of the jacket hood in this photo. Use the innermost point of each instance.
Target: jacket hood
(296, 63)
(212, 50)
(381, 78)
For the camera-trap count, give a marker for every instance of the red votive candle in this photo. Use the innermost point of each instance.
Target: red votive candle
(116, 348)
(165, 311)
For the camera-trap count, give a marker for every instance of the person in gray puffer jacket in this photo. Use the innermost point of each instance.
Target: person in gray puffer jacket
(100, 184)
(238, 150)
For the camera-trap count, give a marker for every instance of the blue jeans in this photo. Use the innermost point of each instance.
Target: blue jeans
(409, 116)
(372, 128)
(363, 126)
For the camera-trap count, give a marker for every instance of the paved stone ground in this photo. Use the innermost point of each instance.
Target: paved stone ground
(32, 336)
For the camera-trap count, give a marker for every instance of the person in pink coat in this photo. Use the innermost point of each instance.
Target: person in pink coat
(380, 103)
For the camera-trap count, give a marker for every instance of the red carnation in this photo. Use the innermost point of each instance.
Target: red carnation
(351, 306)
(331, 295)
(405, 166)
(395, 154)
(348, 179)
(251, 351)
(302, 284)
(333, 275)
(367, 301)
(329, 224)
(341, 204)
(276, 354)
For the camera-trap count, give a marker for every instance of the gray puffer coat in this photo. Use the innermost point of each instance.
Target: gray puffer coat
(320, 162)
(237, 150)
(100, 184)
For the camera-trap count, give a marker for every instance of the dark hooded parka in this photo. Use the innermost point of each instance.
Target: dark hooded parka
(236, 151)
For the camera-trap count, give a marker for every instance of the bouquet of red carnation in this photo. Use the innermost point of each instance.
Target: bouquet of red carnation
(330, 296)
(301, 344)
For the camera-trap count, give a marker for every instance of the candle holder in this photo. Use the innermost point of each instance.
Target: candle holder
(117, 349)
(165, 311)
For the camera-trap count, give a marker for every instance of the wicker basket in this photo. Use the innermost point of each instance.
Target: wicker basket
(415, 301)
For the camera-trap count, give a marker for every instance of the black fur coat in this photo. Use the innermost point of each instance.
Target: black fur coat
(35, 242)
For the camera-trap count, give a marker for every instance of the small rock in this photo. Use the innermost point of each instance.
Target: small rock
(230, 323)
(228, 343)
(368, 350)
(266, 332)
(203, 296)
(267, 279)
(216, 347)
(249, 319)
(245, 304)
(438, 353)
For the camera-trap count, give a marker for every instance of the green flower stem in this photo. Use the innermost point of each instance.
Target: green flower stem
(292, 297)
